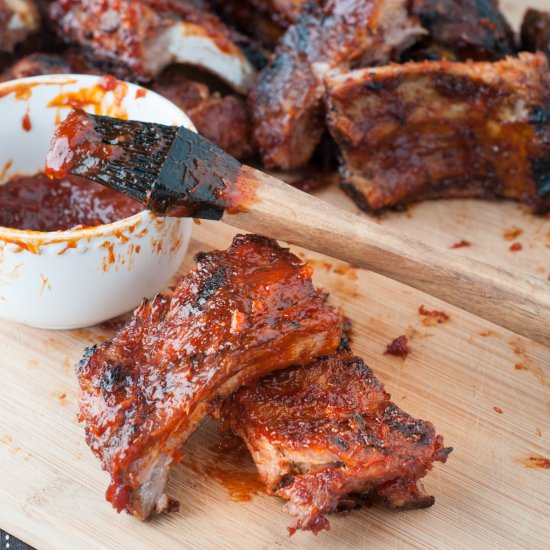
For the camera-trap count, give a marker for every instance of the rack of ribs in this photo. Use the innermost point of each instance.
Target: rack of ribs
(535, 32)
(463, 29)
(139, 38)
(18, 19)
(241, 314)
(441, 129)
(286, 102)
(325, 435)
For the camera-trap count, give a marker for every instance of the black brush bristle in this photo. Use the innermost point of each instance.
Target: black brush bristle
(145, 147)
(170, 170)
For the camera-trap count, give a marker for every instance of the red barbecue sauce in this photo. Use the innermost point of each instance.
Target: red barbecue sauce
(37, 203)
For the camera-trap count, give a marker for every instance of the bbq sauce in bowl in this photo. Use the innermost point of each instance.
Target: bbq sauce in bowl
(36, 203)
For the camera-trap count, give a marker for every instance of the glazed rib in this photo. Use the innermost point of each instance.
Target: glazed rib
(443, 130)
(140, 38)
(224, 120)
(286, 102)
(18, 19)
(36, 64)
(535, 32)
(463, 29)
(323, 433)
(243, 313)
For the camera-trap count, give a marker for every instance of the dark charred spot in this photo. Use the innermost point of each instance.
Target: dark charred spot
(339, 442)
(539, 115)
(113, 379)
(211, 285)
(372, 86)
(358, 420)
(88, 352)
(541, 173)
(285, 481)
(456, 87)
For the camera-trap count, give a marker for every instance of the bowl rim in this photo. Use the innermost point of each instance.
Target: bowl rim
(10, 234)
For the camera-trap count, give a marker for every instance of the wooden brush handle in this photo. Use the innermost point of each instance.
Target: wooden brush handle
(516, 301)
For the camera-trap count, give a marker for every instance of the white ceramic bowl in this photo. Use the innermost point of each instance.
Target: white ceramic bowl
(70, 279)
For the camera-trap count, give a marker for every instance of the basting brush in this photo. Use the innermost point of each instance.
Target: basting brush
(175, 172)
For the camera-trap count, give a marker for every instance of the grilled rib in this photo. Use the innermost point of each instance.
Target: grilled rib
(140, 38)
(442, 130)
(18, 19)
(286, 102)
(459, 30)
(324, 433)
(224, 120)
(242, 314)
(535, 32)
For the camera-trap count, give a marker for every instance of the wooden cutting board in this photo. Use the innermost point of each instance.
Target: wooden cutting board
(486, 390)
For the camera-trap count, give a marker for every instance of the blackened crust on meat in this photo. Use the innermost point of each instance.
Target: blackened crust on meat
(243, 313)
(323, 433)
(461, 30)
(535, 32)
(442, 130)
(286, 102)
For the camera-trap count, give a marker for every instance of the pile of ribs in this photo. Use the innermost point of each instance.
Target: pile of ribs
(246, 338)
(412, 99)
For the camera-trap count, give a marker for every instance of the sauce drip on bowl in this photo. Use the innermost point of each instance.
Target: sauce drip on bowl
(37, 203)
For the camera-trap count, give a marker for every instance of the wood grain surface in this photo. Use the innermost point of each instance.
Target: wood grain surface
(486, 390)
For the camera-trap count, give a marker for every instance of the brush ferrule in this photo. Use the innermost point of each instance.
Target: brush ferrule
(194, 179)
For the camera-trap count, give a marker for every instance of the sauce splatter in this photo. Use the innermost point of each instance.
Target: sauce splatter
(520, 366)
(432, 318)
(26, 122)
(398, 347)
(230, 465)
(347, 271)
(512, 233)
(461, 244)
(516, 247)
(498, 410)
(141, 92)
(536, 461)
(538, 432)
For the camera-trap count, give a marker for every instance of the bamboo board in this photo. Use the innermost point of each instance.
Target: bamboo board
(460, 375)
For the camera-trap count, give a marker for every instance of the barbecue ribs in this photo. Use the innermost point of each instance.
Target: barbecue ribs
(36, 64)
(323, 433)
(429, 130)
(242, 314)
(223, 120)
(463, 29)
(535, 32)
(286, 101)
(18, 19)
(139, 38)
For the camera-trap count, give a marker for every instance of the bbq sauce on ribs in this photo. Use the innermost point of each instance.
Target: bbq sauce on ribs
(535, 32)
(442, 130)
(243, 313)
(459, 30)
(286, 102)
(322, 434)
(139, 38)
